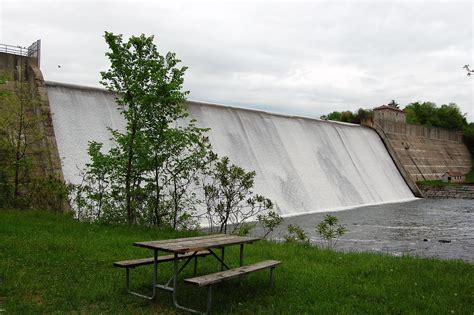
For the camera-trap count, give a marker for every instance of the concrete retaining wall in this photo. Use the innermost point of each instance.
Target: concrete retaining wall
(425, 153)
(463, 191)
(45, 154)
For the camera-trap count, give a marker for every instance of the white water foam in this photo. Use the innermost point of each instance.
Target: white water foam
(303, 164)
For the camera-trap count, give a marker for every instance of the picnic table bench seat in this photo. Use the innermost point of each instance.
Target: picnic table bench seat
(149, 261)
(130, 264)
(221, 276)
(214, 278)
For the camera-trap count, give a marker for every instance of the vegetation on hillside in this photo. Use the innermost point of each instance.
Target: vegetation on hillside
(54, 264)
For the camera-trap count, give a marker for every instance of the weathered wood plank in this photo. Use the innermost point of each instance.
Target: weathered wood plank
(148, 261)
(153, 244)
(231, 273)
(197, 243)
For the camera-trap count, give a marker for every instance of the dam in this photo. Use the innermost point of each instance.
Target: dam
(304, 165)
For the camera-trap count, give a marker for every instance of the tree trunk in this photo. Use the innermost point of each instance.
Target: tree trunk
(175, 199)
(18, 155)
(128, 176)
(157, 191)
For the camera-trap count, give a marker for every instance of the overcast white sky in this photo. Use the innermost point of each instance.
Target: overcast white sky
(306, 58)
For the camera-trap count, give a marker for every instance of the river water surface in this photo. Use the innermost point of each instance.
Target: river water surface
(442, 228)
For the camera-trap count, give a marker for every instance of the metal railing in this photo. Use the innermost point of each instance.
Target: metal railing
(15, 50)
(34, 50)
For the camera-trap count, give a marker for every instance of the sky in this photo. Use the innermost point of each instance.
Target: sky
(300, 57)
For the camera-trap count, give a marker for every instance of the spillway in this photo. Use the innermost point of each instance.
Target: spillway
(303, 164)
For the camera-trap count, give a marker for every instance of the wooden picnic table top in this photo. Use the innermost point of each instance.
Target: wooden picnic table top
(192, 244)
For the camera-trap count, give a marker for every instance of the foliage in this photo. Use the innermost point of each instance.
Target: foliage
(348, 116)
(330, 230)
(23, 182)
(470, 177)
(393, 104)
(297, 235)
(469, 137)
(228, 197)
(429, 114)
(244, 229)
(269, 222)
(434, 183)
(146, 175)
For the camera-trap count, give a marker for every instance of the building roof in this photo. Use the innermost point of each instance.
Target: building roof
(388, 107)
(453, 174)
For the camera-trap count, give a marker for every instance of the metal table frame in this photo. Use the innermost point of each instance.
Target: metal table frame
(168, 247)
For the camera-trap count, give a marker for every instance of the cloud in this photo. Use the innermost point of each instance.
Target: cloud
(301, 58)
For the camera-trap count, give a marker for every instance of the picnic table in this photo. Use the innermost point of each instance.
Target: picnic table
(191, 248)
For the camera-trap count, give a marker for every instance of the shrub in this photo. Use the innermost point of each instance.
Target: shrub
(330, 230)
(296, 235)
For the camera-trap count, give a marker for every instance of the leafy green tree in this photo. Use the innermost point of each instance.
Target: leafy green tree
(21, 137)
(428, 114)
(269, 221)
(362, 114)
(347, 116)
(228, 196)
(333, 116)
(451, 117)
(24, 181)
(149, 89)
(393, 104)
(145, 177)
(188, 158)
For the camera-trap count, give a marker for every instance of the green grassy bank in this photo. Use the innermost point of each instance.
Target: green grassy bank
(52, 263)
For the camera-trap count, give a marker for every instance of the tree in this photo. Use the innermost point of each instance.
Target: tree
(422, 113)
(149, 92)
(228, 196)
(334, 116)
(269, 222)
(188, 157)
(155, 154)
(347, 116)
(393, 104)
(20, 137)
(429, 114)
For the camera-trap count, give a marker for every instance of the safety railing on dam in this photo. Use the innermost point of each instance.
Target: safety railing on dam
(34, 50)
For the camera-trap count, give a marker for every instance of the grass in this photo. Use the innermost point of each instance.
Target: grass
(434, 183)
(470, 177)
(52, 263)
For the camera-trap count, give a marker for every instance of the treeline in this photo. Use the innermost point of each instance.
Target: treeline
(448, 116)
(349, 117)
(161, 170)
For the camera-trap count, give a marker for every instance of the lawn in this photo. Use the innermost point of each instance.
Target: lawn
(52, 263)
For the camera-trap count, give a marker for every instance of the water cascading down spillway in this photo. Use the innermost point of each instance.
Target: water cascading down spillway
(303, 164)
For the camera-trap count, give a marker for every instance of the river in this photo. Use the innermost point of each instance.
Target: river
(441, 228)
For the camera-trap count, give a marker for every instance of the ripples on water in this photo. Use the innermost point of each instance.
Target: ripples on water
(442, 228)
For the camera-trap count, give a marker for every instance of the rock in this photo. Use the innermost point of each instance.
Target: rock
(425, 240)
(444, 241)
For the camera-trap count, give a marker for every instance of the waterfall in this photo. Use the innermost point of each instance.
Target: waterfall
(303, 164)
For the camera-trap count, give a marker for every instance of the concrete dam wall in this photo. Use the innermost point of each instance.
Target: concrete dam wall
(426, 153)
(303, 164)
